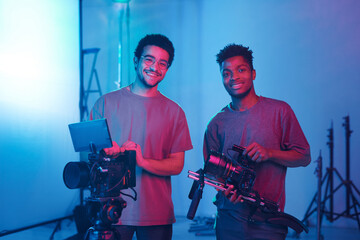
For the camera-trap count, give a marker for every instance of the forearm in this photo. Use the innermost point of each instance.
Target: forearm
(290, 158)
(172, 165)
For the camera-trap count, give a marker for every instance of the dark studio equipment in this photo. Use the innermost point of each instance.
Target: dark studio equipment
(203, 226)
(104, 177)
(318, 172)
(220, 172)
(352, 205)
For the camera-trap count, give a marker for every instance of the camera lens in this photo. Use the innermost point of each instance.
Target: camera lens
(218, 166)
(76, 175)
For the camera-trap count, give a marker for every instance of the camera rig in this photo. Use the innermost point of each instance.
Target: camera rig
(220, 172)
(104, 177)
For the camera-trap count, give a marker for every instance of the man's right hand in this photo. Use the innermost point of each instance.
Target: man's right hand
(116, 150)
(113, 151)
(233, 195)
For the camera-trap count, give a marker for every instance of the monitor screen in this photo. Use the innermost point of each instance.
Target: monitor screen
(85, 134)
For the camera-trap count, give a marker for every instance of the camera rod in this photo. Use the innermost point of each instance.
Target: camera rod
(274, 216)
(219, 185)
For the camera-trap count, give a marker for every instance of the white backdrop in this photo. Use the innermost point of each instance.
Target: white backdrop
(39, 94)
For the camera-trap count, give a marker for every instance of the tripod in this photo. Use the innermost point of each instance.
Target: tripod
(351, 202)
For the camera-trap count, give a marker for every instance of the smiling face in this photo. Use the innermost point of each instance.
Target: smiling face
(149, 67)
(238, 77)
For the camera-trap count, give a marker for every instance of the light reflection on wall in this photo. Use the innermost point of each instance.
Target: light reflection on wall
(39, 74)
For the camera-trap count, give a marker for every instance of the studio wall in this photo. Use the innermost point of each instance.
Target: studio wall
(39, 95)
(305, 53)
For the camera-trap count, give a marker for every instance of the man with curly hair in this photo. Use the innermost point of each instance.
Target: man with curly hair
(140, 118)
(272, 137)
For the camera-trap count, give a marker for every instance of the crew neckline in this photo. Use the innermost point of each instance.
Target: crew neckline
(247, 110)
(129, 92)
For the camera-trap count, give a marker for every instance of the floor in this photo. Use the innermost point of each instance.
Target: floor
(183, 229)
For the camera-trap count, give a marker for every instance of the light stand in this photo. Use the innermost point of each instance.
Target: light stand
(319, 215)
(351, 201)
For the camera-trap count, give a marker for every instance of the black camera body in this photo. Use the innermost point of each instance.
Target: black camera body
(105, 177)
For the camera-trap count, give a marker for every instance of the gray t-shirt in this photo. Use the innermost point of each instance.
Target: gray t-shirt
(159, 126)
(272, 124)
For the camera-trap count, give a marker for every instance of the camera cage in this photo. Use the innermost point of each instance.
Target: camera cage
(104, 176)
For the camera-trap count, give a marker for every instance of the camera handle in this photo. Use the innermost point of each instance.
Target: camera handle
(268, 211)
(93, 155)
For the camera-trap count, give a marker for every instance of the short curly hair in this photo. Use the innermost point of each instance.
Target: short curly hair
(156, 40)
(232, 50)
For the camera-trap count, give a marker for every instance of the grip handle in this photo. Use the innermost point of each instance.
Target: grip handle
(194, 204)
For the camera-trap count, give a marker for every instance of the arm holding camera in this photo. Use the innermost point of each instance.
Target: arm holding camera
(258, 154)
(172, 165)
(289, 158)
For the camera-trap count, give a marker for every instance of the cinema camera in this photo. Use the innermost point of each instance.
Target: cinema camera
(104, 177)
(220, 172)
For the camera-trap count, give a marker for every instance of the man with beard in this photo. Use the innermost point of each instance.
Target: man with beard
(272, 137)
(140, 118)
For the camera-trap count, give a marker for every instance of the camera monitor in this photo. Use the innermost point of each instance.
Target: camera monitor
(88, 134)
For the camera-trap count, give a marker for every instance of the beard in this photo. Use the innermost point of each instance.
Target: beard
(146, 84)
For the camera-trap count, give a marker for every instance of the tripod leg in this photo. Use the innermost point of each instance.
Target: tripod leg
(88, 233)
(319, 212)
(354, 187)
(356, 204)
(309, 211)
(116, 234)
(57, 228)
(326, 196)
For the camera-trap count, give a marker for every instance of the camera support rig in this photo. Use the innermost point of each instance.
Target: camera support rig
(266, 210)
(104, 177)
